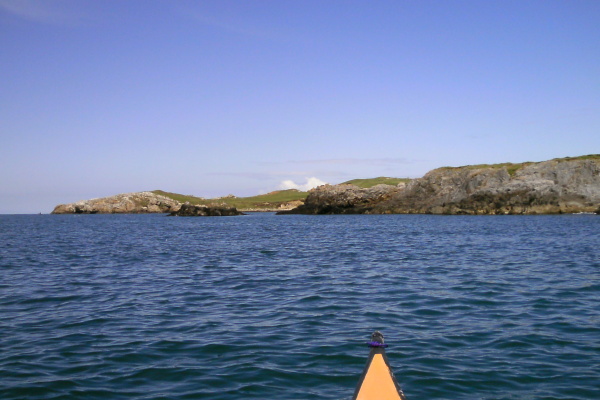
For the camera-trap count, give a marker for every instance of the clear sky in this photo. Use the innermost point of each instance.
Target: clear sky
(244, 97)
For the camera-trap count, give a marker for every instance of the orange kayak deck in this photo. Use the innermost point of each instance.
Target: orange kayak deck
(377, 381)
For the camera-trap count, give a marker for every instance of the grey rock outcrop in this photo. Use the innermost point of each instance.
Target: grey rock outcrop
(127, 203)
(549, 187)
(343, 199)
(189, 210)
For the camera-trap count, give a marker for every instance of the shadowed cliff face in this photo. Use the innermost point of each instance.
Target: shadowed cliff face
(550, 187)
(130, 203)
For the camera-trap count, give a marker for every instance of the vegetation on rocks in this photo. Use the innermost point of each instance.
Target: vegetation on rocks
(382, 180)
(512, 168)
(159, 201)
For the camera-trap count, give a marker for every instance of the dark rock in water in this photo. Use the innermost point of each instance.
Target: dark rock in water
(343, 199)
(189, 210)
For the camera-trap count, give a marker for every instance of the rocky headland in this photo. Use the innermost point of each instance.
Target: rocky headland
(127, 203)
(568, 185)
(143, 203)
(159, 201)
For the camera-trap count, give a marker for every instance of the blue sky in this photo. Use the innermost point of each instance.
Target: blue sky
(216, 97)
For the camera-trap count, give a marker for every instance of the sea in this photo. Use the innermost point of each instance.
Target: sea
(263, 306)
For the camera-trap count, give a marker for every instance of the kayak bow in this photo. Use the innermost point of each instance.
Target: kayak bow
(377, 381)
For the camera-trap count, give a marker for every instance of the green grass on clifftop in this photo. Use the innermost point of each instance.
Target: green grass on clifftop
(512, 168)
(261, 202)
(588, 157)
(367, 183)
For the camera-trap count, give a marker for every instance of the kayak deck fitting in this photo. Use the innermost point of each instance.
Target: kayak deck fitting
(377, 381)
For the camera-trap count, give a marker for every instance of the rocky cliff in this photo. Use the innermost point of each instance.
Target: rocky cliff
(344, 199)
(128, 203)
(569, 185)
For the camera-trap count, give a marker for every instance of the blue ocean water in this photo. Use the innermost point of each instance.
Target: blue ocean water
(279, 307)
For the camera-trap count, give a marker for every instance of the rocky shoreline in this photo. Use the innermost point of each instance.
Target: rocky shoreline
(570, 185)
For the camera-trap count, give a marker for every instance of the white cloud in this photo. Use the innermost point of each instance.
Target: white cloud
(310, 184)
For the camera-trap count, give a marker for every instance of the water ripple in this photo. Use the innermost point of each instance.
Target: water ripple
(148, 307)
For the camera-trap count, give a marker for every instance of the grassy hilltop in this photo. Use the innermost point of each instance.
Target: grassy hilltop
(382, 180)
(263, 202)
(273, 200)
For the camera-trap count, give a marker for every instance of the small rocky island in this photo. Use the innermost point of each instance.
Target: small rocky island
(143, 203)
(127, 203)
